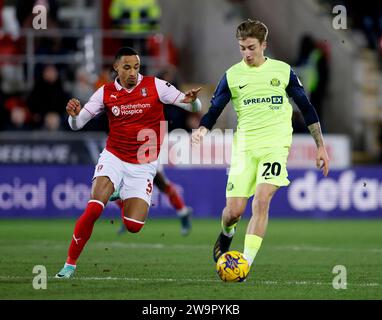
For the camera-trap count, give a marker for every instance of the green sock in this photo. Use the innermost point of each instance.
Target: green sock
(252, 244)
(230, 230)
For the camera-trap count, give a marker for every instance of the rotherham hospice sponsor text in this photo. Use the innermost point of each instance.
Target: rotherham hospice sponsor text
(129, 109)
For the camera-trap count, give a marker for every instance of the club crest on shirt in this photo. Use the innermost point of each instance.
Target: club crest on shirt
(144, 92)
(229, 186)
(275, 82)
(116, 111)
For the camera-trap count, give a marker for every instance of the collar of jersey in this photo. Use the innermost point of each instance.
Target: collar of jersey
(119, 87)
(256, 68)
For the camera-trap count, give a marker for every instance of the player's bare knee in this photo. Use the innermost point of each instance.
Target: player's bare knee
(102, 188)
(261, 205)
(133, 225)
(234, 212)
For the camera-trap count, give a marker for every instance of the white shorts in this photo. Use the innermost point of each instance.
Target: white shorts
(160, 168)
(134, 180)
(160, 165)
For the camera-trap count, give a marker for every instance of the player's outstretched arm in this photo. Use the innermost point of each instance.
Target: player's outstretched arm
(168, 94)
(322, 158)
(191, 95)
(78, 116)
(190, 101)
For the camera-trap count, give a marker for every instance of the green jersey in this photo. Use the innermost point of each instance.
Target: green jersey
(259, 98)
(264, 132)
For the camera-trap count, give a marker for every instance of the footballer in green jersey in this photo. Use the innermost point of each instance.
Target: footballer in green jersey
(259, 88)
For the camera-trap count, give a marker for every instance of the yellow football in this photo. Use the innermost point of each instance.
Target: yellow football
(232, 267)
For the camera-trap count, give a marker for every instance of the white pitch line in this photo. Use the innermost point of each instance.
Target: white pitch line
(129, 245)
(162, 246)
(114, 279)
(264, 282)
(314, 248)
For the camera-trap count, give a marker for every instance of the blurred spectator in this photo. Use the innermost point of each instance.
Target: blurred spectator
(163, 48)
(83, 86)
(9, 24)
(107, 75)
(18, 120)
(3, 113)
(313, 69)
(11, 73)
(47, 95)
(52, 122)
(53, 46)
(19, 116)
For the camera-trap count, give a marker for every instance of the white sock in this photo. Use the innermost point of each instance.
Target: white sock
(182, 212)
(228, 231)
(250, 256)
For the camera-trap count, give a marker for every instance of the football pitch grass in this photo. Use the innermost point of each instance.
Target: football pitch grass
(295, 261)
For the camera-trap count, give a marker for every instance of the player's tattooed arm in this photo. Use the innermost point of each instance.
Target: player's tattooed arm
(315, 131)
(322, 159)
